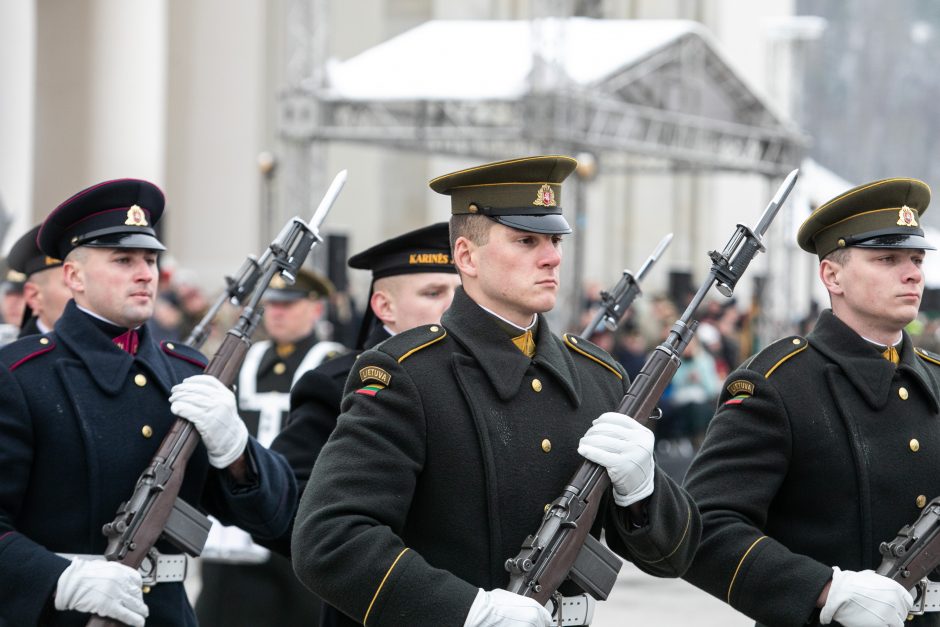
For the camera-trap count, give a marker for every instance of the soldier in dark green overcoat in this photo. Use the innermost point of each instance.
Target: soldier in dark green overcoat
(824, 446)
(454, 437)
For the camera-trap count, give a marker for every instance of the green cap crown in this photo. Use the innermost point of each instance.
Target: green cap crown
(881, 214)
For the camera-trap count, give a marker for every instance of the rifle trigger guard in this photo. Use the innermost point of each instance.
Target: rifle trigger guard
(920, 598)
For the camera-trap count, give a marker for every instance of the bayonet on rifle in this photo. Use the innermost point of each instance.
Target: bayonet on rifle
(562, 548)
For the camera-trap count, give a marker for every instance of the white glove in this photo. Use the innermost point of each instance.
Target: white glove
(107, 589)
(210, 406)
(625, 448)
(494, 608)
(865, 599)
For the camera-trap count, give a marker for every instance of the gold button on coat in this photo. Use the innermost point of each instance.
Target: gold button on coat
(147, 431)
(44, 341)
(140, 380)
(171, 346)
(536, 385)
(435, 329)
(921, 501)
(279, 368)
(902, 392)
(546, 445)
(915, 445)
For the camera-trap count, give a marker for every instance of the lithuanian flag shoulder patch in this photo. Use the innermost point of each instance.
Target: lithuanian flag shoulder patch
(371, 390)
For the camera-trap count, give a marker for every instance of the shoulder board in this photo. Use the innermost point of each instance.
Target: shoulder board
(184, 352)
(585, 348)
(19, 352)
(928, 356)
(404, 345)
(768, 360)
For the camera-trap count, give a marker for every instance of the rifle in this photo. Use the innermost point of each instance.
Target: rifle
(615, 303)
(563, 548)
(154, 510)
(913, 554)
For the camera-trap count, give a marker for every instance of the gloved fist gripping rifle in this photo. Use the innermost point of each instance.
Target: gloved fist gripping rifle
(562, 547)
(914, 554)
(153, 510)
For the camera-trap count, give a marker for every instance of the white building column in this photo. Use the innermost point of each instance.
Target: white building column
(17, 77)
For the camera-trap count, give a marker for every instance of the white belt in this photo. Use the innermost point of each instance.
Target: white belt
(156, 567)
(927, 597)
(573, 611)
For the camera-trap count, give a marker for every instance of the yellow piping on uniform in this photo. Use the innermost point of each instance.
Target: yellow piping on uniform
(417, 348)
(688, 523)
(592, 357)
(382, 583)
(925, 356)
(743, 557)
(777, 365)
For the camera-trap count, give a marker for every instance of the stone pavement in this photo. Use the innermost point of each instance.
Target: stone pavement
(639, 600)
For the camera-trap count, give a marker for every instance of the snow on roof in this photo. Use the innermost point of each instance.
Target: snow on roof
(492, 59)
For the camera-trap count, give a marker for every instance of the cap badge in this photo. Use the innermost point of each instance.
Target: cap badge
(545, 196)
(51, 261)
(136, 217)
(907, 216)
(278, 282)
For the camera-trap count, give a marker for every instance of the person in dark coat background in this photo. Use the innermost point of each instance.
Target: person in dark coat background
(84, 408)
(455, 436)
(44, 291)
(824, 446)
(243, 585)
(413, 282)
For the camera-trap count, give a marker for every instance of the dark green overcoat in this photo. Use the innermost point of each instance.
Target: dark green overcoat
(450, 444)
(820, 450)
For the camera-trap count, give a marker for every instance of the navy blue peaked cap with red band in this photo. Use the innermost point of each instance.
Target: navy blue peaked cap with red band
(113, 214)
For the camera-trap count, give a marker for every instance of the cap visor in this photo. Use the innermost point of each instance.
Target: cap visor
(283, 296)
(554, 224)
(126, 240)
(897, 241)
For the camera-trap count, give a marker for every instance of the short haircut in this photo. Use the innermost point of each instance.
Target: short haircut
(78, 254)
(475, 228)
(839, 256)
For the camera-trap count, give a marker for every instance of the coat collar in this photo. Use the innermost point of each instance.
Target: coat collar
(504, 364)
(870, 373)
(108, 365)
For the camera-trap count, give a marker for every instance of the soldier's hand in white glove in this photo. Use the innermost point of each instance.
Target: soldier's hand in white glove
(210, 406)
(625, 448)
(107, 589)
(492, 608)
(865, 599)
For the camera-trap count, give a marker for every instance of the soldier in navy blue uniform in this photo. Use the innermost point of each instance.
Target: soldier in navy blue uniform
(824, 446)
(44, 291)
(84, 408)
(455, 436)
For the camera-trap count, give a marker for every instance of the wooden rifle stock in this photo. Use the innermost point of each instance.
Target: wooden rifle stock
(142, 519)
(547, 557)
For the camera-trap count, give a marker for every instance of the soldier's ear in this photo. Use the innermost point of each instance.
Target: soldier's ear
(464, 257)
(74, 276)
(830, 275)
(383, 307)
